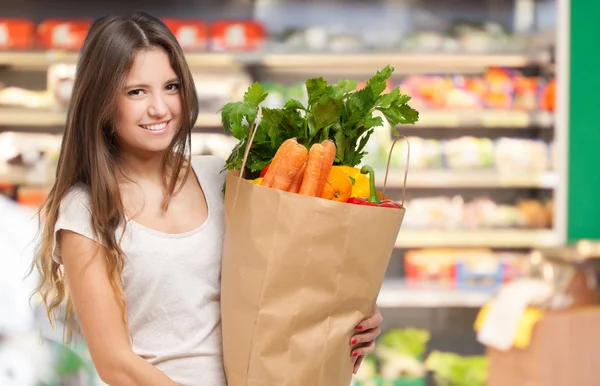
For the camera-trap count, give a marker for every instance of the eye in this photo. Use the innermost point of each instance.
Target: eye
(136, 92)
(173, 87)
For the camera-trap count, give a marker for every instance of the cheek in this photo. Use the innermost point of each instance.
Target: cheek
(174, 104)
(129, 115)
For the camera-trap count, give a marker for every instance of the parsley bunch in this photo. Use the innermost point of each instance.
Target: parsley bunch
(335, 112)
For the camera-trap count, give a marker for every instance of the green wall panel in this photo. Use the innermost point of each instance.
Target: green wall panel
(584, 122)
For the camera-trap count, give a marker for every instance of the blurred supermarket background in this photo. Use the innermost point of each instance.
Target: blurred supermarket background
(502, 159)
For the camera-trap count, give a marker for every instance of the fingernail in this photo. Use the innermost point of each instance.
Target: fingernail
(359, 327)
(354, 354)
(354, 341)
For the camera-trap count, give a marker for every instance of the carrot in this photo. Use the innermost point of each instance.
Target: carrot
(313, 170)
(283, 149)
(288, 166)
(297, 181)
(329, 151)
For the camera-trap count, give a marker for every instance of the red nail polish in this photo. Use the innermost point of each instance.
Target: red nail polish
(354, 341)
(359, 327)
(354, 354)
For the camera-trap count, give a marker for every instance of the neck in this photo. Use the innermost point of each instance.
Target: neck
(142, 166)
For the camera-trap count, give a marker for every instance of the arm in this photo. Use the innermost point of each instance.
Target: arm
(100, 316)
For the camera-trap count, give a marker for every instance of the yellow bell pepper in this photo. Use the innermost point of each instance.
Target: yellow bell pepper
(360, 182)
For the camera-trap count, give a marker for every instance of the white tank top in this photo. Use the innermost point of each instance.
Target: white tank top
(171, 282)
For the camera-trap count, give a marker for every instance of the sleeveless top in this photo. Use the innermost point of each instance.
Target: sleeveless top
(171, 283)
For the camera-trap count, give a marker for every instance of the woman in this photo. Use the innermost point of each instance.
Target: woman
(134, 225)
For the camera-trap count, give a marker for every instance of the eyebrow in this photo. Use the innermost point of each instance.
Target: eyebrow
(142, 85)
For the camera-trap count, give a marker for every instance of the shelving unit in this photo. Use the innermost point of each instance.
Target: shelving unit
(309, 61)
(17, 118)
(398, 293)
(492, 238)
(483, 179)
(479, 122)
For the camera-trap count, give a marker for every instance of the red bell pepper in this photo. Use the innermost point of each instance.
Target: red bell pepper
(373, 200)
(264, 171)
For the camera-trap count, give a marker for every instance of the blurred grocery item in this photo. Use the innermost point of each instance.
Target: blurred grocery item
(497, 89)
(457, 370)
(424, 153)
(63, 34)
(398, 359)
(60, 78)
(443, 212)
(462, 267)
(16, 34)
(192, 35)
(548, 97)
(32, 196)
(524, 155)
(236, 35)
(20, 97)
(535, 214)
(216, 88)
(434, 212)
(430, 266)
(468, 153)
(28, 158)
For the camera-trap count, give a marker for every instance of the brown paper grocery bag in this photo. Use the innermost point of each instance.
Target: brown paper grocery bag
(299, 273)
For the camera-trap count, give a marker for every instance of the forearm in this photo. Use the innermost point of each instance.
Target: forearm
(132, 370)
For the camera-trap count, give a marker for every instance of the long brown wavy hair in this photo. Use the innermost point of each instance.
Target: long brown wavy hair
(89, 154)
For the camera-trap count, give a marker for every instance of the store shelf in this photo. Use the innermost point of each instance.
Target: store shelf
(43, 59)
(18, 117)
(442, 179)
(482, 119)
(438, 119)
(398, 293)
(309, 61)
(491, 238)
(401, 61)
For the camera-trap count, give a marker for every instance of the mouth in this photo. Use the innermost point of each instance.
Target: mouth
(157, 127)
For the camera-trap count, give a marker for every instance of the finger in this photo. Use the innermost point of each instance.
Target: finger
(371, 322)
(364, 349)
(366, 336)
(358, 363)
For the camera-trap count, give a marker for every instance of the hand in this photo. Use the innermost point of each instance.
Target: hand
(363, 342)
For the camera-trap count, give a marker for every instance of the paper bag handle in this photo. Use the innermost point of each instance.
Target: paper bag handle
(251, 132)
(387, 168)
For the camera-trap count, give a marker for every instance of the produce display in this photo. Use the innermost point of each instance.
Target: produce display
(463, 268)
(401, 359)
(454, 212)
(193, 35)
(495, 89)
(505, 155)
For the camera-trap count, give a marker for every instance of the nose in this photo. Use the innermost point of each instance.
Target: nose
(158, 108)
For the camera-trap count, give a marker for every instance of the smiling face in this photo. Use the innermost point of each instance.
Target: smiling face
(149, 107)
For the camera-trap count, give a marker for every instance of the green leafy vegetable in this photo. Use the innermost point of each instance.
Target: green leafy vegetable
(408, 341)
(454, 370)
(335, 112)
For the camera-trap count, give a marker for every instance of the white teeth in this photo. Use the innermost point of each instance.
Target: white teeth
(156, 127)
